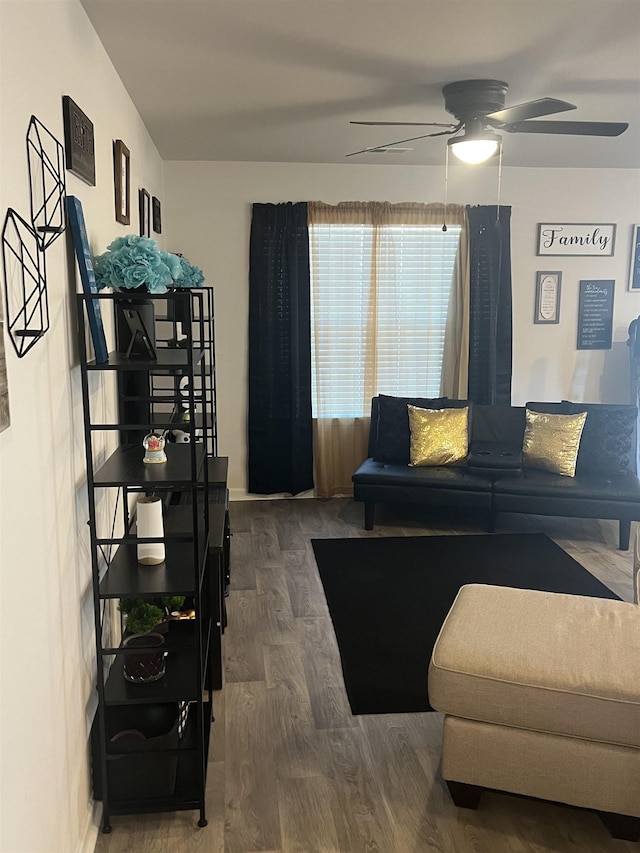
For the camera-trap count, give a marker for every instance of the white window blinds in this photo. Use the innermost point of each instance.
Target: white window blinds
(380, 299)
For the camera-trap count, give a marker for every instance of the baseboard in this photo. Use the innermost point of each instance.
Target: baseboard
(89, 838)
(244, 495)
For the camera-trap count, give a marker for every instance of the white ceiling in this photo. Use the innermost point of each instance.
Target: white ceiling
(279, 80)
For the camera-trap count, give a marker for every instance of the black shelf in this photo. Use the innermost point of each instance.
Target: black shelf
(127, 578)
(126, 466)
(168, 771)
(168, 359)
(180, 681)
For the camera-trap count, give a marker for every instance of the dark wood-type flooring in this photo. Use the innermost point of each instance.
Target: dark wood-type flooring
(290, 768)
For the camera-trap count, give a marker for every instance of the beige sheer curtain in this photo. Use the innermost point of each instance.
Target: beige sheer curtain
(340, 443)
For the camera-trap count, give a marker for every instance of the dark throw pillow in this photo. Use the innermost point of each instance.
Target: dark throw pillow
(608, 439)
(394, 436)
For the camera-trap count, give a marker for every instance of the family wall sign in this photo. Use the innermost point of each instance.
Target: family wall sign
(576, 238)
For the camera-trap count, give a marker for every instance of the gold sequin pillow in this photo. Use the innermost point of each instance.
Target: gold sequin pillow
(438, 436)
(551, 442)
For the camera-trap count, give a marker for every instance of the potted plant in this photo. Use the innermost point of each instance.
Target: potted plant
(145, 624)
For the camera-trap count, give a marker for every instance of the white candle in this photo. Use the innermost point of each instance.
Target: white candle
(149, 524)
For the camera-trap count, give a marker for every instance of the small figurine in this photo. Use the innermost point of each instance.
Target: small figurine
(154, 448)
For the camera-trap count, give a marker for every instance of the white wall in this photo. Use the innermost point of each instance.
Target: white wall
(47, 683)
(208, 219)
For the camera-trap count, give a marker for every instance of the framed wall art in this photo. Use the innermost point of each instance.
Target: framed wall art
(547, 308)
(79, 144)
(122, 181)
(595, 314)
(144, 209)
(577, 239)
(634, 269)
(156, 215)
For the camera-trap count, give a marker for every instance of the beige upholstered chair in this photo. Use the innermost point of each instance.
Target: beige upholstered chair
(541, 696)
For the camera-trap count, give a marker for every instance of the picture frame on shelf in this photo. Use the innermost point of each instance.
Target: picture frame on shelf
(87, 276)
(548, 286)
(576, 239)
(122, 181)
(79, 142)
(156, 215)
(144, 209)
(634, 267)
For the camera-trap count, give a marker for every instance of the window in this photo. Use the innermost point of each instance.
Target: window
(380, 299)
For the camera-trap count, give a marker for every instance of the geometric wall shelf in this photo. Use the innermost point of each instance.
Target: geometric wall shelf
(45, 158)
(25, 279)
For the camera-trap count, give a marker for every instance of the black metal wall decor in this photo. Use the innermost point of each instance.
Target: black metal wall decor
(45, 159)
(25, 277)
(78, 141)
(24, 243)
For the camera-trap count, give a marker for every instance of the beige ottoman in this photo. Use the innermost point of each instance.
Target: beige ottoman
(541, 696)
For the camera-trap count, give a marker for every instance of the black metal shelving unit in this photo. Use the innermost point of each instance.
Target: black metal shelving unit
(172, 388)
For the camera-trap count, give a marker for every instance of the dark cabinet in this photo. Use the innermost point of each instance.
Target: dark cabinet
(150, 736)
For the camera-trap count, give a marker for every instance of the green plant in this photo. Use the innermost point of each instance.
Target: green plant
(142, 616)
(172, 602)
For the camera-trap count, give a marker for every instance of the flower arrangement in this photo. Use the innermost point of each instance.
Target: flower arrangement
(131, 262)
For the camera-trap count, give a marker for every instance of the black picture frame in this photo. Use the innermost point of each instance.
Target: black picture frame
(144, 211)
(156, 210)
(87, 276)
(595, 314)
(122, 181)
(548, 286)
(79, 142)
(140, 342)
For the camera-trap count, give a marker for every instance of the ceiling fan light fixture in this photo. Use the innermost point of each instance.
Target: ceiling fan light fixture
(476, 148)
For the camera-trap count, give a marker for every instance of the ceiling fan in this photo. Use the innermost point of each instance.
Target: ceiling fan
(479, 108)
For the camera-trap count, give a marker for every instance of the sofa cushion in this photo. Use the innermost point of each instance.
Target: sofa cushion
(551, 442)
(372, 473)
(392, 430)
(438, 436)
(548, 662)
(622, 487)
(393, 436)
(608, 439)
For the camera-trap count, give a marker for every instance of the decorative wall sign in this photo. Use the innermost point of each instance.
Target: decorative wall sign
(634, 269)
(547, 297)
(144, 210)
(122, 181)
(85, 264)
(576, 239)
(78, 141)
(595, 314)
(157, 215)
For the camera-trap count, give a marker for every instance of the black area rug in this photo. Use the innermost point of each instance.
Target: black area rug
(388, 598)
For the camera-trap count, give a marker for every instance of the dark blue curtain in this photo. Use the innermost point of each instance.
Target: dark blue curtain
(490, 326)
(280, 426)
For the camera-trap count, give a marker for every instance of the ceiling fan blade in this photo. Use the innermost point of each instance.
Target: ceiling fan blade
(530, 109)
(372, 148)
(403, 123)
(573, 128)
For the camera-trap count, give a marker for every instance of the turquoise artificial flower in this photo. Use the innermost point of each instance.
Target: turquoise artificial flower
(191, 276)
(132, 262)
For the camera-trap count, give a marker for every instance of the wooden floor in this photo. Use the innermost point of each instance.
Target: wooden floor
(290, 768)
